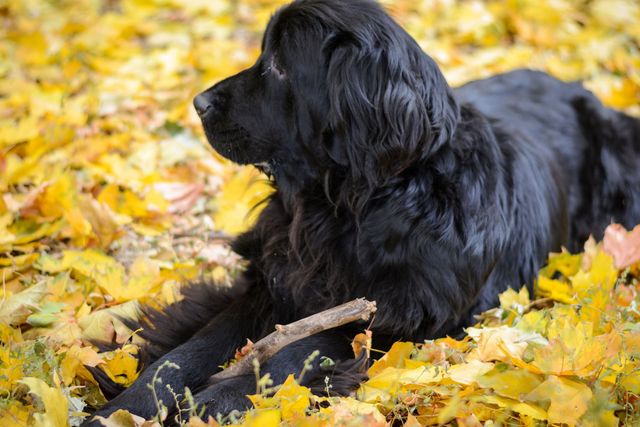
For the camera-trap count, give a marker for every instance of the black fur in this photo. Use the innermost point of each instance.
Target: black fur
(392, 186)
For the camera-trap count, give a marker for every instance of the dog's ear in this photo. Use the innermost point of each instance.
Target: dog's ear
(389, 105)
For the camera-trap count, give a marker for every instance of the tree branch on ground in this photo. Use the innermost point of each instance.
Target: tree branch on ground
(262, 350)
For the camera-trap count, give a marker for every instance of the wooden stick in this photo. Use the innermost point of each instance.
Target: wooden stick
(262, 350)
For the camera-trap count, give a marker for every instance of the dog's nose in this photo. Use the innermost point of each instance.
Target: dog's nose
(201, 104)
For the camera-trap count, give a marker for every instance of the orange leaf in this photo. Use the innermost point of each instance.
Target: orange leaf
(362, 342)
(181, 196)
(242, 352)
(622, 245)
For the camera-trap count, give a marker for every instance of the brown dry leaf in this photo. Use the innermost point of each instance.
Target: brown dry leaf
(622, 245)
(246, 349)
(181, 196)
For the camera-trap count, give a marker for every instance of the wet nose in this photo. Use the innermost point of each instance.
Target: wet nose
(201, 104)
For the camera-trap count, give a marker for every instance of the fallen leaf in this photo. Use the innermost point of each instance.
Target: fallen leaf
(293, 399)
(568, 400)
(242, 352)
(122, 418)
(622, 245)
(181, 196)
(54, 402)
(263, 418)
(362, 342)
(15, 309)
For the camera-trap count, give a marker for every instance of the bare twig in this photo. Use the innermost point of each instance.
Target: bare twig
(358, 309)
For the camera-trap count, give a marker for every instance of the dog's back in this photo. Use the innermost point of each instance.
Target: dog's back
(593, 151)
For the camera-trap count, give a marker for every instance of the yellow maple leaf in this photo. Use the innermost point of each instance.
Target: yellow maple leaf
(513, 383)
(13, 133)
(104, 325)
(394, 358)
(15, 308)
(75, 361)
(238, 204)
(615, 91)
(106, 271)
(511, 299)
(387, 383)
(26, 231)
(555, 289)
(565, 263)
(14, 414)
(55, 403)
(355, 411)
(262, 418)
(144, 278)
(11, 369)
(467, 373)
(293, 399)
(500, 343)
(601, 277)
(102, 220)
(535, 321)
(568, 400)
(9, 335)
(121, 365)
(61, 199)
(124, 418)
(515, 405)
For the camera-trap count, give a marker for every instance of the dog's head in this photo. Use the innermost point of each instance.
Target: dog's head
(339, 86)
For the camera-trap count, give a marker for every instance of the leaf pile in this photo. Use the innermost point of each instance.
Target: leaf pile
(526, 363)
(109, 198)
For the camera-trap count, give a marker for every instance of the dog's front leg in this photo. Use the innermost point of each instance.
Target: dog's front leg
(339, 378)
(192, 363)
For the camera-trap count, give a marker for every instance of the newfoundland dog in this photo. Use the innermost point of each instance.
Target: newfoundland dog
(390, 185)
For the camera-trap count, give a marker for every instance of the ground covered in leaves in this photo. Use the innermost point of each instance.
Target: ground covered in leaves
(109, 199)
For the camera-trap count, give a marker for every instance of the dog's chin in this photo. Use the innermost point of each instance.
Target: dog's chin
(235, 150)
(229, 150)
(232, 146)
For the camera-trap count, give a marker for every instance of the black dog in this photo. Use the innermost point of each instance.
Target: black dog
(391, 186)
